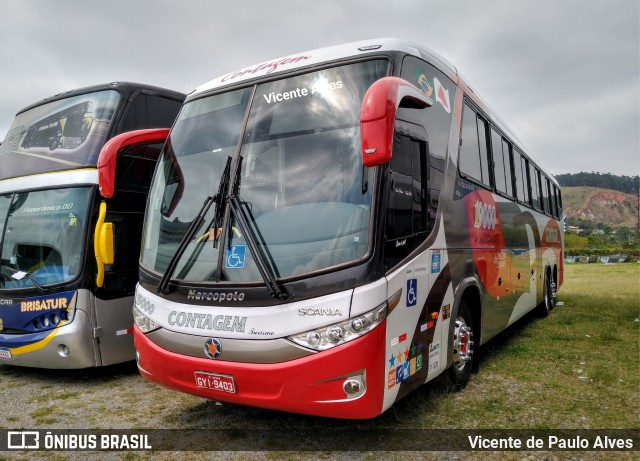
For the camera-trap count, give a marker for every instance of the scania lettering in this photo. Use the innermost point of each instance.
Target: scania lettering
(380, 229)
(71, 223)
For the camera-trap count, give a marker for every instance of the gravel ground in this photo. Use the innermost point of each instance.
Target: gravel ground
(117, 397)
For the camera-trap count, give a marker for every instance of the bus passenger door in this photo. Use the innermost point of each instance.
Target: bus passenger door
(414, 333)
(125, 210)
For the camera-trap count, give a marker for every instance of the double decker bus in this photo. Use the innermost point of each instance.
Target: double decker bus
(328, 231)
(71, 222)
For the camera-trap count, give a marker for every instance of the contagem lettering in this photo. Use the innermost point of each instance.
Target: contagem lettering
(265, 68)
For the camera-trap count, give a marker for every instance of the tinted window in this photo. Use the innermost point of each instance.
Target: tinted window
(547, 194)
(558, 201)
(535, 189)
(47, 137)
(519, 177)
(469, 150)
(484, 153)
(407, 209)
(150, 111)
(506, 151)
(498, 162)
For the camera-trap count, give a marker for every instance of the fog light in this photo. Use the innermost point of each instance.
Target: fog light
(351, 387)
(55, 319)
(63, 350)
(354, 387)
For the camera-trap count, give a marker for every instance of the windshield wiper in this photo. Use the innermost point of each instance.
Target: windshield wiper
(221, 202)
(245, 228)
(218, 217)
(19, 275)
(193, 228)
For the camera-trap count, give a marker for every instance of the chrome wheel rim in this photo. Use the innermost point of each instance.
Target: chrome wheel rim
(462, 344)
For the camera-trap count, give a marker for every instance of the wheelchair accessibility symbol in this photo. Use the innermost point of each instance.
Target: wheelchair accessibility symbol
(412, 292)
(235, 257)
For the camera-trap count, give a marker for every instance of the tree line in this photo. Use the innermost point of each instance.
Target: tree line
(626, 184)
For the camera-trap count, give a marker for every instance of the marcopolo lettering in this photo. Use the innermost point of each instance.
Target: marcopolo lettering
(215, 296)
(207, 321)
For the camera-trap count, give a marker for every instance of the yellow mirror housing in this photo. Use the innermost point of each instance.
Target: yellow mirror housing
(103, 244)
(106, 243)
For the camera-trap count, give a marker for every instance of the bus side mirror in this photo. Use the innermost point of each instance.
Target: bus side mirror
(106, 243)
(378, 115)
(110, 151)
(103, 246)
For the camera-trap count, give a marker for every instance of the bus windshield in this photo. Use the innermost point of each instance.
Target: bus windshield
(59, 135)
(42, 236)
(300, 183)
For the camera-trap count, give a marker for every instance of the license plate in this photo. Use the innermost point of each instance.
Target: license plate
(5, 353)
(217, 382)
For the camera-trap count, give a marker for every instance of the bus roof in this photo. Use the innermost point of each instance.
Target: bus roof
(355, 49)
(123, 87)
(332, 53)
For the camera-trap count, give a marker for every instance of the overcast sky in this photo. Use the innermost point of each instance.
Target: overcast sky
(563, 74)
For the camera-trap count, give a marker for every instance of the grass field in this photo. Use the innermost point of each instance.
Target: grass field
(579, 368)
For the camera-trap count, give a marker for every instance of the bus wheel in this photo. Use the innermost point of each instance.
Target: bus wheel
(463, 348)
(548, 299)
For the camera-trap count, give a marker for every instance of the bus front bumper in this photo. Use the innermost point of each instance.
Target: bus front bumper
(344, 382)
(70, 346)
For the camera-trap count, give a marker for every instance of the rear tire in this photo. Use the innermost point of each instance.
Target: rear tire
(548, 298)
(457, 375)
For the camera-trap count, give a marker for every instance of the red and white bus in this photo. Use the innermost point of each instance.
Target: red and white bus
(328, 231)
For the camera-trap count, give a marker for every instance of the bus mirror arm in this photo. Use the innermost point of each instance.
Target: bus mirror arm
(115, 146)
(378, 115)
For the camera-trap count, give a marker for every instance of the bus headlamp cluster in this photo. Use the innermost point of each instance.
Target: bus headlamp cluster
(144, 323)
(50, 320)
(324, 338)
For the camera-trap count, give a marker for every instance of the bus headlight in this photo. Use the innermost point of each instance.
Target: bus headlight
(144, 323)
(324, 338)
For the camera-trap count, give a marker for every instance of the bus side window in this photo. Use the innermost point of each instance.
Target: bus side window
(543, 205)
(469, 160)
(535, 189)
(521, 174)
(485, 154)
(558, 201)
(498, 162)
(548, 198)
(474, 157)
(506, 150)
